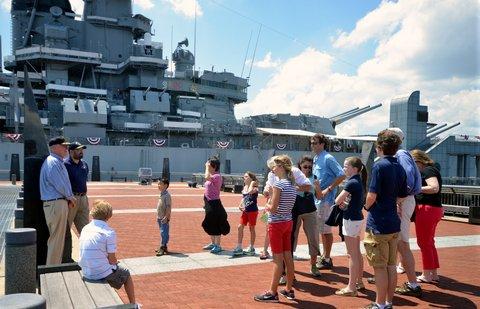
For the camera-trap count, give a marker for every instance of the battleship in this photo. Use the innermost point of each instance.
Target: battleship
(101, 79)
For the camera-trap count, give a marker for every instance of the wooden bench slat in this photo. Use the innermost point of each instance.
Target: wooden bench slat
(103, 294)
(57, 292)
(79, 293)
(44, 288)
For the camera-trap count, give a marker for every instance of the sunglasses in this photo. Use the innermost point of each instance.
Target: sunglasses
(313, 143)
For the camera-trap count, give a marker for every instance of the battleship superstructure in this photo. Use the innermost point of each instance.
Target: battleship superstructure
(104, 78)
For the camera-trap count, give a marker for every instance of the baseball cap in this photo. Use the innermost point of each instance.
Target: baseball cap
(59, 140)
(76, 145)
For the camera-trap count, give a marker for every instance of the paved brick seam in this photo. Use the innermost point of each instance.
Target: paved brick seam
(191, 261)
(154, 210)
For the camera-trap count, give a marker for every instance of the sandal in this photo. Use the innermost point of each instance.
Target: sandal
(424, 279)
(264, 255)
(345, 292)
(360, 286)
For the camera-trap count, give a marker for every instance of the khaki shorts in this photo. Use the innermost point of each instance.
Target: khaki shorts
(381, 249)
(323, 212)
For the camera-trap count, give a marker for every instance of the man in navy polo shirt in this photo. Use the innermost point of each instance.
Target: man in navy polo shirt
(388, 187)
(77, 170)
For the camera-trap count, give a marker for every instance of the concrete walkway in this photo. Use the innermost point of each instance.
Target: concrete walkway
(180, 262)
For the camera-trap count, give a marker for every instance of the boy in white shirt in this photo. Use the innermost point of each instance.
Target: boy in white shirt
(98, 243)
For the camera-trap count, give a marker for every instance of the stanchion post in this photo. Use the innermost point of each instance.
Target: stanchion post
(20, 260)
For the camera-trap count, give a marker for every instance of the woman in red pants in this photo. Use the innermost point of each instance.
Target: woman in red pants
(429, 212)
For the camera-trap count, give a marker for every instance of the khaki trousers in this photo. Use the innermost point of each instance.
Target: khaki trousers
(310, 228)
(77, 215)
(56, 213)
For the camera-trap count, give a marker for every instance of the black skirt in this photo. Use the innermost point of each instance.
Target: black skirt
(215, 222)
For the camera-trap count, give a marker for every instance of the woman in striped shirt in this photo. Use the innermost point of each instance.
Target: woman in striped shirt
(279, 209)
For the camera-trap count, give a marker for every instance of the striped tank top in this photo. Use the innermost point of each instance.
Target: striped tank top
(287, 200)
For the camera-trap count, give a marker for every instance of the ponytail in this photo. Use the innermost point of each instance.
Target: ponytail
(364, 176)
(362, 170)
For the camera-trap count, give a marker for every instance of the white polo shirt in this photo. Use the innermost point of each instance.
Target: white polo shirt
(96, 241)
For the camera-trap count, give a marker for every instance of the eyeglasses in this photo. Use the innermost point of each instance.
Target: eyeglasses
(306, 167)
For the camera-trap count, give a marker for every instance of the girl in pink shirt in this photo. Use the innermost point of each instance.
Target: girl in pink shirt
(215, 223)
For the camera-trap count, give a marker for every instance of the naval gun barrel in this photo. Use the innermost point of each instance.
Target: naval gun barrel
(342, 119)
(344, 113)
(435, 128)
(431, 135)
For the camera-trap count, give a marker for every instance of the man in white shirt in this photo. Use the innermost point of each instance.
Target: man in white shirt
(98, 243)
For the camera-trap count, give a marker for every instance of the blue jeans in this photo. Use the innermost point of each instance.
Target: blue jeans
(164, 231)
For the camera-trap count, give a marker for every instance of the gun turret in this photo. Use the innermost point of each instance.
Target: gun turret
(435, 128)
(341, 118)
(434, 134)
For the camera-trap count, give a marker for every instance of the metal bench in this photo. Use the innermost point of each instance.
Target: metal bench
(64, 287)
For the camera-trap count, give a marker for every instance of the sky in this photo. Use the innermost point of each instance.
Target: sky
(325, 57)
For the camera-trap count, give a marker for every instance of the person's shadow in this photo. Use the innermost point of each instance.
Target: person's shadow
(444, 299)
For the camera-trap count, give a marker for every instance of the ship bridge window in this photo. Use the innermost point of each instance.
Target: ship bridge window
(422, 116)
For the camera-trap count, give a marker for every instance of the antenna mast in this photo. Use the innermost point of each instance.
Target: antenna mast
(195, 38)
(254, 51)
(171, 50)
(246, 53)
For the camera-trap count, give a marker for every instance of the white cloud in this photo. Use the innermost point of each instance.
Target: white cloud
(77, 6)
(266, 62)
(185, 7)
(377, 24)
(428, 45)
(144, 4)
(6, 4)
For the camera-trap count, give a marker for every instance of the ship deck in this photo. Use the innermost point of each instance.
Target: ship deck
(191, 278)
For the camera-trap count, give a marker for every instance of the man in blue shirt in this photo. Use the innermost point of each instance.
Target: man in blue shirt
(330, 174)
(57, 197)
(414, 186)
(388, 187)
(77, 170)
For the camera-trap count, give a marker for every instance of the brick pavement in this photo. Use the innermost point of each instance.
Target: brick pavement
(234, 286)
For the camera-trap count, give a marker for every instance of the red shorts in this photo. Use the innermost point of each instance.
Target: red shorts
(280, 234)
(249, 218)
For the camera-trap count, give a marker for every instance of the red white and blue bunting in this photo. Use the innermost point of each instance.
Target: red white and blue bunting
(13, 137)
(159, 142)
(281, 146)
(223, 145)
(94, 140)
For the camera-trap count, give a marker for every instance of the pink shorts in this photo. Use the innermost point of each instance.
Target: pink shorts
(249, 218)
(280, 234)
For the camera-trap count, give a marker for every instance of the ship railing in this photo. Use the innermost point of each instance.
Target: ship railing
(462, 201)
(461, 181)
(231, 182)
